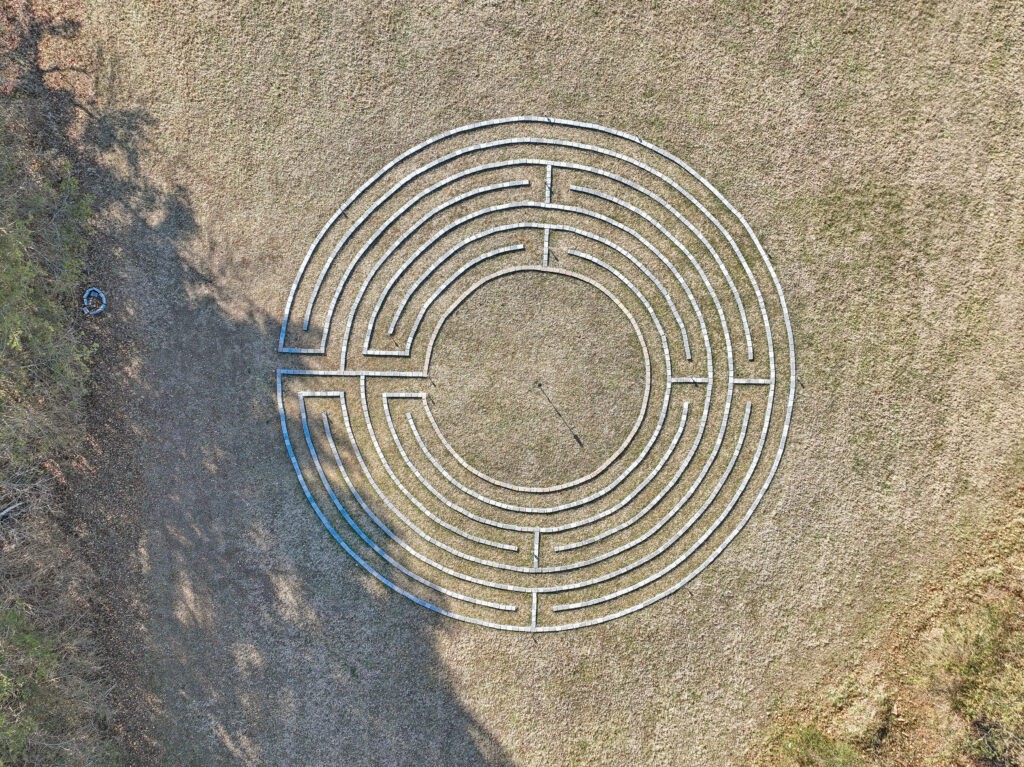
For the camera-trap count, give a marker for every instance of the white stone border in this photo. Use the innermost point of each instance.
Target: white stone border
(672, 381)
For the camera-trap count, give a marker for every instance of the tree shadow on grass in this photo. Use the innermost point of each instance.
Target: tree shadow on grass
(234, 630)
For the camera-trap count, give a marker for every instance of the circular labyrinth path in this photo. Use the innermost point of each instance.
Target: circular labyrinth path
(541, 374)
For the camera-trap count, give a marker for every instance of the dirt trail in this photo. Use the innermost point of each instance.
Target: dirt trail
(877, 154)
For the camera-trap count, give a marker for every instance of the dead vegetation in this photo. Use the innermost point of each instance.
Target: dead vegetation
(52, 699)
(51, 693)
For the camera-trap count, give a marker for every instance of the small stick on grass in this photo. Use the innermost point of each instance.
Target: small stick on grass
(575, 436)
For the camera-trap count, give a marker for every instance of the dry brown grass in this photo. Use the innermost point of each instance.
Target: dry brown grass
(875, 148)
(51, 695)
(948, 688)
(957, 698)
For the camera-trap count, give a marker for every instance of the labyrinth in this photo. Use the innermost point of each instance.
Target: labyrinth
(540, 374)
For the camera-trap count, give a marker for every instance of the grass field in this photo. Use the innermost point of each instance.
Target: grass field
(869, 614)
(51, 683)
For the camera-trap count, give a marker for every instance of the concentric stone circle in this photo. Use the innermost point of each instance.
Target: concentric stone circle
(567, 201)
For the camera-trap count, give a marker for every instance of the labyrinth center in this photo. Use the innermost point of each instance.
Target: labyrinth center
(546, 399)
(539, 374)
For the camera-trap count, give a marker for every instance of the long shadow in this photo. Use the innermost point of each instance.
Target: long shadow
(234, 630)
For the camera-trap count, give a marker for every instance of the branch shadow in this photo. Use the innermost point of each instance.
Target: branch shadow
(233, 629)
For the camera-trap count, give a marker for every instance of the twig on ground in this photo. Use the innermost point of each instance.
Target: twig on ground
(10, 508)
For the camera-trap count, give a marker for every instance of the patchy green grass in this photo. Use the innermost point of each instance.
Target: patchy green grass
(28, 666)
(959, 691)
(50, 699)
(987, 668)
(43, 363)
(47, 710)
(810, 747)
